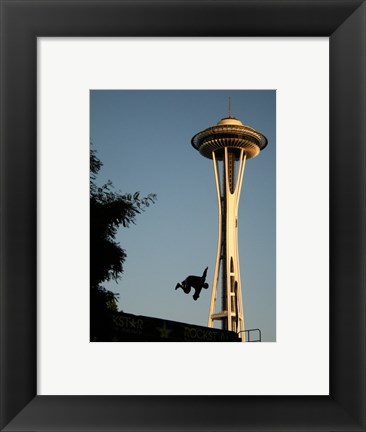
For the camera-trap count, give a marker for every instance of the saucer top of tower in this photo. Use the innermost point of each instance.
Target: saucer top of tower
(230, 121)
(232, 133)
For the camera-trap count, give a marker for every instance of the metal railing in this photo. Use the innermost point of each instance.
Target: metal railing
(249, 335)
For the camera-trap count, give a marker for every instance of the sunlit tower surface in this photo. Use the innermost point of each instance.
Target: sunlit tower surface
(229, 144)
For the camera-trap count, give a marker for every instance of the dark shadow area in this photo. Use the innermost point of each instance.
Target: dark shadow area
(138, 328)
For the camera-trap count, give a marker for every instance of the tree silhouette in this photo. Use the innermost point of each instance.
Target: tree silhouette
(108, 211)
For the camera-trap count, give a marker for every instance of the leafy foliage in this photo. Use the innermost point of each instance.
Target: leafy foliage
(108, 211)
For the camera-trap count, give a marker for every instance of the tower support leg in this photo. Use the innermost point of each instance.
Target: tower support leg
(228, 188)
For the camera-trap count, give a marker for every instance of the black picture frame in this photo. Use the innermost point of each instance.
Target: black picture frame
(25, 20)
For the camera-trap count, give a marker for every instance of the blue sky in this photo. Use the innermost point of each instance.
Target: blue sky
(143, 139)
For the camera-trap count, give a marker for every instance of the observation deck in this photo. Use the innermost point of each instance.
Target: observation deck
(229, 132)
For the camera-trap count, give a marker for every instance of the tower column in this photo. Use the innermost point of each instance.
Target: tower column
(227, 259)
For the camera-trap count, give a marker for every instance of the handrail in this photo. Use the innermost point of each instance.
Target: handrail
(248, 332)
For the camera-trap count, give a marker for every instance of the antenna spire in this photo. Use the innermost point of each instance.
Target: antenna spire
(229, 106)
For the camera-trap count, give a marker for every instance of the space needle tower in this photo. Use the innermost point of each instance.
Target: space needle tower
(229, 144)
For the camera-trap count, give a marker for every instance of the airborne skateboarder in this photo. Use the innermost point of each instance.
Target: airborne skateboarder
(196, 282)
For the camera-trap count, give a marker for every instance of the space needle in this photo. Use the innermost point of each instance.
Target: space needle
(229, 144)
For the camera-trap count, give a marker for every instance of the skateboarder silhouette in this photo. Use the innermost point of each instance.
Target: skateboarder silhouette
(196, 282)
